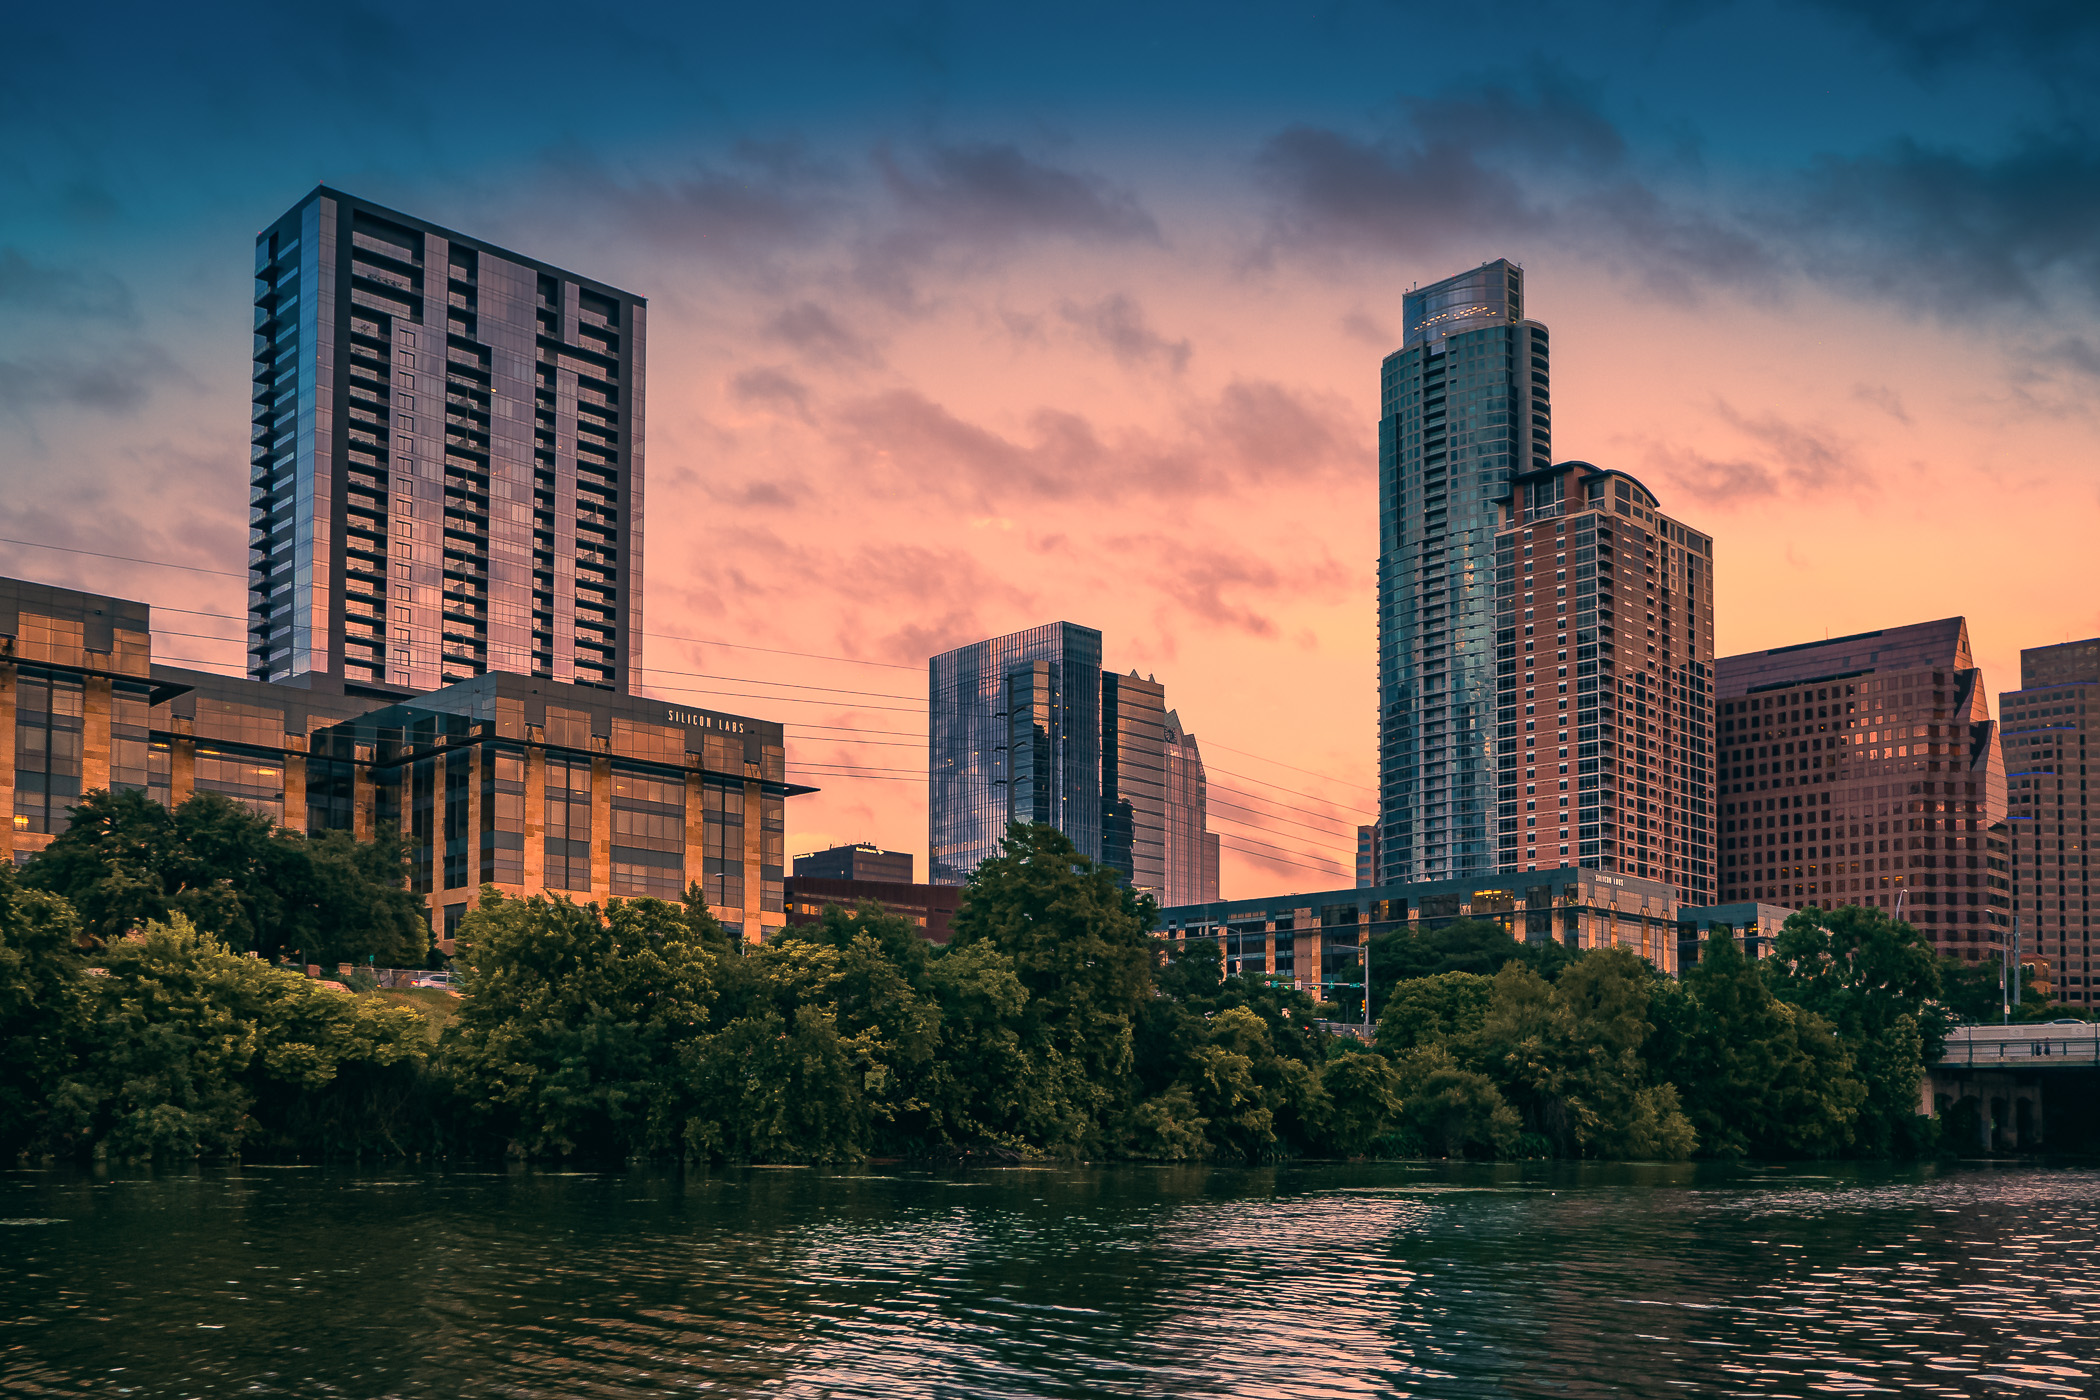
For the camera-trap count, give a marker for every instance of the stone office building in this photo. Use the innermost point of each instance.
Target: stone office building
(520, 782)
(1866, 770)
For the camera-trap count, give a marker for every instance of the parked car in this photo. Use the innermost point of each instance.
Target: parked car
(434, 979)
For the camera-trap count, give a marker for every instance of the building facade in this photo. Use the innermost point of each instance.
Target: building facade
(1192, 847)
(1464, 407)
(446, 469)
(1013, 735)
(1755, 926)
(928, 908)
(1604, 682)
(2050, 726)
(860, 861)
(1866, 770)
(524, 783)
(1315, 942)
(1134, 780)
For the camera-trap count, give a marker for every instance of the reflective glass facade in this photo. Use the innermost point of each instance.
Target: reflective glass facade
(1604, 666)
(1192, 847)
(447, 458)
(1464, 407)
(1134, 780)
(1014, 734)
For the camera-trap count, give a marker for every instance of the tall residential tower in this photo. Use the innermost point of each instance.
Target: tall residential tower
(1604, 738)
(446, 462)
(1464, 408)
(2052, 731)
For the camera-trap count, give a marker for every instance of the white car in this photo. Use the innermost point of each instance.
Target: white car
(442, 980)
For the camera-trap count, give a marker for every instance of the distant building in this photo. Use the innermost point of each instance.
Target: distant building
(1013, 734)
(446, 458)
(1315, 942)
(1134, 780)
(1604, 636)
(1464, 407)
(1192, 847)
(1029, 728)
(520, 782)
(1858, 769)
(1366, 856)
(860, 861)
(1755, 926)
(2051, 728)
(930, 908)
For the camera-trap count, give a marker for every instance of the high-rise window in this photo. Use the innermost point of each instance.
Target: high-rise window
(447, 453)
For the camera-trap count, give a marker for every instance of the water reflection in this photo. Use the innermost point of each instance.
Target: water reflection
(1326, 1281)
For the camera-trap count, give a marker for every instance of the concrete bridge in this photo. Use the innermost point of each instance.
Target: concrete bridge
(2026, 1087)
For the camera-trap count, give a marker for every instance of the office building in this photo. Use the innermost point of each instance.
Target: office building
(1604, 645)
(1013, 735)
(2050, 725)
(1756, 928)
(520, 782)
(446, 468)
(1464, 408)
(928, 908)
(1134, 780)
(1029, 728)
(1192, 847)
(861, 861)
(1865, 769)
(1315, 942)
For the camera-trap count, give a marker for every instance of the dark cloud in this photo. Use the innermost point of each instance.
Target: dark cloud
(816, 333)
(994, 194)
(40, 287)
(765, 199)
(982, 202)
(1233, 590)
(1955, 232)
(1786, 458)
(1881, 396)
(1118, 325)
(1254, 432)
(2054, 39)
(114, 381)
(1391, 198)
(1361, 325)
(774, 388)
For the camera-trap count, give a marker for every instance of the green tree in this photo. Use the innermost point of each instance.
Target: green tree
(1974, 992)
(1878, 985)
(1476, 946)
(1365, 1094)
(1434, 1010)
(1451, 1111)
(185, 1046)
(568, 1039)
(125, 861)
(42, 1004)
(1756, 1076)
(1080, 943)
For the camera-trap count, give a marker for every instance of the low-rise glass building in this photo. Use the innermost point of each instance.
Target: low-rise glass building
(1315, 942)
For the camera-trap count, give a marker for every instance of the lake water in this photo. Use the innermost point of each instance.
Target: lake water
(1313, 1281)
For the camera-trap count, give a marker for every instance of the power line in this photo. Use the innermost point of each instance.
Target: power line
(1252, 811)
(121, 558)
(782, 685)
(1279, 860)
(1296, 769)
(774, 699)
(1278, 786)
(776, 651)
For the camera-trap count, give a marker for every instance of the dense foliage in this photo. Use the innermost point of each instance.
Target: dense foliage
(125, 861)
(1053, 1024)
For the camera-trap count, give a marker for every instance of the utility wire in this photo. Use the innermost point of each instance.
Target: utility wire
(121, 558)
(1295, 769)
(783, 685)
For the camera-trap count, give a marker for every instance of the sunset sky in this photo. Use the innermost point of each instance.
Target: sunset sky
(969, 318)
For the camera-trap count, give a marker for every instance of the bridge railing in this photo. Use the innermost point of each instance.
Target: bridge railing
(2024, 1047)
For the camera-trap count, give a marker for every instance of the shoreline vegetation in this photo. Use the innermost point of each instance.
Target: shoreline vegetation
(142, 1018)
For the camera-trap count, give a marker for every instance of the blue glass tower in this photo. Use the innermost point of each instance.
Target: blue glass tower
(1014, 731)
(1464, 407)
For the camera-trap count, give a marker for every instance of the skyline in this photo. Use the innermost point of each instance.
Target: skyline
(922, 315)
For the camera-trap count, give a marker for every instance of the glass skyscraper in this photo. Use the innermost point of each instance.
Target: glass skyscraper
(1134, 780)
(1192, 847)
(446, 464)
(1014, 734)
(1464, 407)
